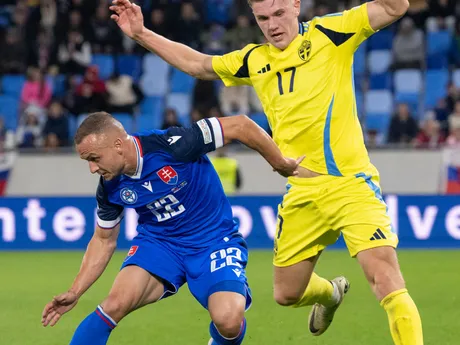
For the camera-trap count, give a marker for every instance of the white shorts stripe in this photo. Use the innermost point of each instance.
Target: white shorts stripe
(218, 133)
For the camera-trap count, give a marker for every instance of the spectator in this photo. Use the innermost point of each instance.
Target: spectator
(28, 134)
(170, 119)
(454, 118)
(234, 100)
(106, 37)
(403, 128)
(373, 138)
(228, 170)
(408, 46)
(42, 52)
(204, 95)
(453, 140)
(69, 99)
(6, 136)
(196, 115)
(214, 40)
(452, 96)
(122, 94)
(441, 114)
(188, 27)
(156, 22)
(36, 90)
(241, 35)
(13, 57)
(56, 131)
(91, 92)
(430, 135)
(74, 55)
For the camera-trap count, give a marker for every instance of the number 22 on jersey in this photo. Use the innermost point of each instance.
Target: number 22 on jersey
(165, 208)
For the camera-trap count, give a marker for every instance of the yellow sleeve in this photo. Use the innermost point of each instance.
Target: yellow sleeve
(354, 24)
(233, 68)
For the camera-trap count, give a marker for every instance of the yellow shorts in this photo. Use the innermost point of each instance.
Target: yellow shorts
(315, 211)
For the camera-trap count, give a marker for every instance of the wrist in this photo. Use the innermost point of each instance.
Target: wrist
(76, 291)
(140, 37)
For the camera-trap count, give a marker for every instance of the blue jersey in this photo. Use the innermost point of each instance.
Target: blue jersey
(175, 190)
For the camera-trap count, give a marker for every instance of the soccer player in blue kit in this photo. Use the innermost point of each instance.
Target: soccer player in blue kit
(186, 231)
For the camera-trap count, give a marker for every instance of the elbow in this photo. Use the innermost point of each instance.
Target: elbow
(235, 128)
(399, 9)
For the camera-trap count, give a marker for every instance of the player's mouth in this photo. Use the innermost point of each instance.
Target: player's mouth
(277, 36)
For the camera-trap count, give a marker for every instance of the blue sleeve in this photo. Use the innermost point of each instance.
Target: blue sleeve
(108, 214)
(187, 144)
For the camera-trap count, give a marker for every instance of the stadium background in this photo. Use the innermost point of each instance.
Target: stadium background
(60, 59)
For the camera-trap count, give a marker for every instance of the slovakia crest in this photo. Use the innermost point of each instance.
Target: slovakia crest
(128, 196)
(168, 175)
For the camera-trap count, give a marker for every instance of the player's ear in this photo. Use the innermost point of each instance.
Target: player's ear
(119, 146)
(297, 7)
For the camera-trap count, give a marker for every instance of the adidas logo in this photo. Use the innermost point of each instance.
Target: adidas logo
(265, 69)
(378, 235)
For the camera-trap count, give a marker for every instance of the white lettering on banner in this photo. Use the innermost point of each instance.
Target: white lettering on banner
(453, 222)
(8, 224)
(392, 210)
(422, 224)
(245, 220)
(131, 218)
(69, 224)
(269, 219)
(34, 213)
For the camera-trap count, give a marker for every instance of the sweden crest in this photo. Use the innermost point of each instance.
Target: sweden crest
(304, 50)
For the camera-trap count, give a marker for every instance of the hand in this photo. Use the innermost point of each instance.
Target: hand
(57, 307)
(128, 17)
(289, 167)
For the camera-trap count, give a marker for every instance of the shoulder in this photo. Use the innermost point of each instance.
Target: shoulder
(151, 140)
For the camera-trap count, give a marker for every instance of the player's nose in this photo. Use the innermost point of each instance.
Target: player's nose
(93, 167)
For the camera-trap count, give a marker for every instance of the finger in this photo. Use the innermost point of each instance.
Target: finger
(125, 3)
(55, 319)
(115, 17)
(116, 9)
(300, 159)
(47, 309)
(49, 317)
(59, 299)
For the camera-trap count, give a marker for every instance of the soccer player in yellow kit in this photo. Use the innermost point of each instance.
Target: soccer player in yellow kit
(304, 79)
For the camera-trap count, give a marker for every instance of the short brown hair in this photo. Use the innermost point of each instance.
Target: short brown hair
(95, 123)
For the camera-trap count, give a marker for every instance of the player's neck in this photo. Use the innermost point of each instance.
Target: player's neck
(131, 158)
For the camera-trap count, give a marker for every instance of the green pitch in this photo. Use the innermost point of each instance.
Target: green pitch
(29, 281)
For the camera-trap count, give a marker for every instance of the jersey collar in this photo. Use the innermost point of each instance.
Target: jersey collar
(140, 158)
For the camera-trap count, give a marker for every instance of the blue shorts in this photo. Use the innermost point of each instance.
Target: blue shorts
(221, 267)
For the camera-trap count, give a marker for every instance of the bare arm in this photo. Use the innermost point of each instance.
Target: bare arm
(100, 250)
(129, 18)
(384, 12)
(98, 254)
(246, 131)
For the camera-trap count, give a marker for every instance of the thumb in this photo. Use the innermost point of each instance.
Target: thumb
(300, 159)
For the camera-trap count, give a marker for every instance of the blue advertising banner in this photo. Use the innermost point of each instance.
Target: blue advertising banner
(68, 222)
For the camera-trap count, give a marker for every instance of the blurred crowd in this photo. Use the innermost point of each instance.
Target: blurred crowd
(45, 38)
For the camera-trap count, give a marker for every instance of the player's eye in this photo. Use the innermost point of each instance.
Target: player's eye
(279, 13)
(262, 19)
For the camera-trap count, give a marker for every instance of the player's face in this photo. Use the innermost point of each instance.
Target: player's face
(278, 20)
(103, 155)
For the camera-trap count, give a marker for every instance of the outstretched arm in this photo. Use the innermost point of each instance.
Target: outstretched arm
(384, 12)
(189, 143)
(247, 132)
(129, 18)
(98, 254)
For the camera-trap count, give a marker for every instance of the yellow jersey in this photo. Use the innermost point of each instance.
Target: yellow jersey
(307, 91)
